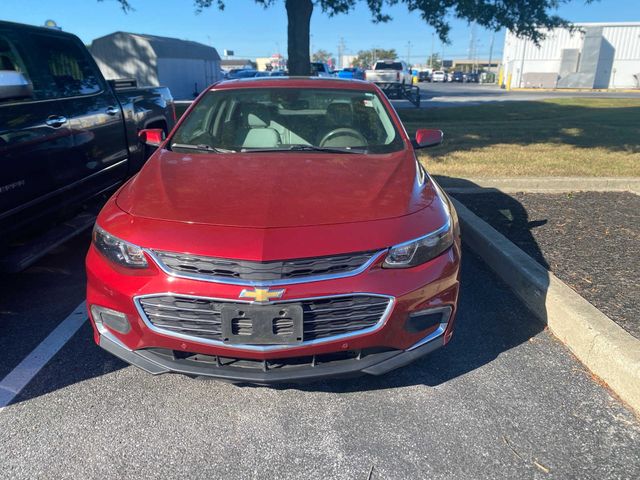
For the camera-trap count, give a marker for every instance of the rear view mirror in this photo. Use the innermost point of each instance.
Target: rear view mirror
(14, 85)
(427, 137)
(152, 137)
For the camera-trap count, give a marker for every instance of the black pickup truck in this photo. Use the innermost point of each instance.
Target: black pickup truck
(67, 138)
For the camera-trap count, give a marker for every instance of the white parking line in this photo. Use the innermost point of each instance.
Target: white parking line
(19, 377)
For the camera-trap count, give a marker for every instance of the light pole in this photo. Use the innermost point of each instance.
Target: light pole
(493, 35)
(433, 39)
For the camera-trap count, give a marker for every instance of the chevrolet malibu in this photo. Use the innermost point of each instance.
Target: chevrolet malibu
(284, 231)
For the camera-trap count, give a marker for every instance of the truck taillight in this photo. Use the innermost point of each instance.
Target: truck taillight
(173, 110)
(398, 76)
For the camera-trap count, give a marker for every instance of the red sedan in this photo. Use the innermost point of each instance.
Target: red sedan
(284, 231)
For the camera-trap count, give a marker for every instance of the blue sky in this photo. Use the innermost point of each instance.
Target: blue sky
(252, 31)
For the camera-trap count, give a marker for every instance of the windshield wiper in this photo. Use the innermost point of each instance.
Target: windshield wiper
(308, 148)
(201, 147)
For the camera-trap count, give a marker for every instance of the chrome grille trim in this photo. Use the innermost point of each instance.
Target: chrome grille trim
(263, 283)
(390, 302)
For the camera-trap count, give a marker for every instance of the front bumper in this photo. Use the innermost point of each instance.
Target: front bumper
(391, 344)
(158, 362)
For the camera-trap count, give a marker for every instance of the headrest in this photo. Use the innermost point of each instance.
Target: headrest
(256, 115)
(340, 113)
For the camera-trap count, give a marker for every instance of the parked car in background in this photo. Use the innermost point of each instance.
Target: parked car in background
(351, 72)
(67, 136)
(241, 73)
(457, 77)
(472, 78)
(320, 69)
(278, 73)
(438, 76)
(233, 72)
(216, 261)
(424, 76)
(389, 71)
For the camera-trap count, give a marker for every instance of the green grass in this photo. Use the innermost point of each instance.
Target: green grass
(558, 137)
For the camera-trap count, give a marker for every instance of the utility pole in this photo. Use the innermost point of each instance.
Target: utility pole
(433, 39)
(409, 52)
(472, 42)
(340, 53)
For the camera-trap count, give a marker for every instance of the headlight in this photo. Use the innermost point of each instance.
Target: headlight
(118, 251)
(420, 250)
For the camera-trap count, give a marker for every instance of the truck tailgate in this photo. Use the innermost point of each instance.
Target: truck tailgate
(383, 76)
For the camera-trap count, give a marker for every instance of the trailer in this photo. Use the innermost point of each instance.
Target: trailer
(401, 91)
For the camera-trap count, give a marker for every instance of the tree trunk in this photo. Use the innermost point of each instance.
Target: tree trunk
(299, 17)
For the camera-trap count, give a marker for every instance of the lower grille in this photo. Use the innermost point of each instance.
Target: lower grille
(323, 318)
(267, 365)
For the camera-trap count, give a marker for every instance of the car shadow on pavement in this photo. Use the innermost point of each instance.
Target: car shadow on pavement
(36, 301)
(79, 360)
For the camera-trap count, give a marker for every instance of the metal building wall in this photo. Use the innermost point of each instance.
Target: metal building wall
(121, 55)
(521, 56)
(626, 64)
(187, 77)
(185, 67)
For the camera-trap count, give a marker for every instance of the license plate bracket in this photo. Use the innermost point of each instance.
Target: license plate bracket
(262, 324)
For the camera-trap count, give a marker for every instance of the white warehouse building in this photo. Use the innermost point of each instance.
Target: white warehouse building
(186, 67)
(595, 55)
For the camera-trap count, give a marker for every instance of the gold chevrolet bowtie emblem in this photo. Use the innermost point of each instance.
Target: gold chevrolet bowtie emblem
(261, 294)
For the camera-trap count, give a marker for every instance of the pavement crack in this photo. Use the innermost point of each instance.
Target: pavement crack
(535, 461)
(508, 444)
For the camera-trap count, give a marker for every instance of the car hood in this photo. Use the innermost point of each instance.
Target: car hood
(275, 189)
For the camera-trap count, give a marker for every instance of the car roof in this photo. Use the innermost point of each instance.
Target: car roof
(36, 28)
(295, 82)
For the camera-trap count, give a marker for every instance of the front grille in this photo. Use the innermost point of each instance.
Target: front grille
(223, 268)
(322, 317)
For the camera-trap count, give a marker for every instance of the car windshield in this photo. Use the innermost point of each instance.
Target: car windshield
(288, 119)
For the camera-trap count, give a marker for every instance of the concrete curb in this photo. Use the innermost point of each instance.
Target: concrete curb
(540, 184)
(575, 90)
(600, 344)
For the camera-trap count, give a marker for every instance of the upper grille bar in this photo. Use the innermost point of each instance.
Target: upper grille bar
(250, 273)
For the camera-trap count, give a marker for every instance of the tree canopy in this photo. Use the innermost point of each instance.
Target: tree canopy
(524, 18)
(367, 58)
(322, 56)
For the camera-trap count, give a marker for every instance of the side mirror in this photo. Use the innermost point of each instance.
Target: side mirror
(14, 85)
(152, 137)
(427, 137)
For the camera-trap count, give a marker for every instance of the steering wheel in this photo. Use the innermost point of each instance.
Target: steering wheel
(344, 132)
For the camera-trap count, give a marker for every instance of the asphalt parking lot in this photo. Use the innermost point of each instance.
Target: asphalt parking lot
(503, 400)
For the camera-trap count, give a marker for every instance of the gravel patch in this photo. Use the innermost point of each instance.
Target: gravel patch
(590, 240)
